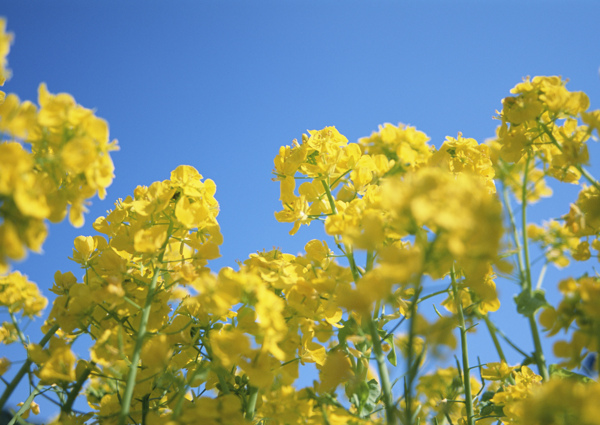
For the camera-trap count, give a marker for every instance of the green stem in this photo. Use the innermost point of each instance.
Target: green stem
(348, 251)
(370, 260)
(329, 195)
(539, 353)
(527, 285)
(384, 377)
(25, 368)
(145, 408)
(377, 310)
(141, 334)
(66, 408)
(251, 407)
(20, 334)
(509, 342)
(353, 267)
(465, 351)
(412, 364)
(515, 233)
(492, 330)
(541, 277)
(588, 176)
(222, 381)
(17, 416)
(434, 294)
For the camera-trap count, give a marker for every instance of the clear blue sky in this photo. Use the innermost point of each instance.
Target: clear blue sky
(220, 85)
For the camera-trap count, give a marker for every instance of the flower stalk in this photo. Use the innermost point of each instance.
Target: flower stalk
(466, 370)
(141, 334)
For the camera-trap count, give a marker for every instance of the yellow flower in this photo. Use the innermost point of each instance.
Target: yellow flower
(458, 208)
(521, 109)
(20, 295)
(462, 155)
(295, 212)
(512, 397)
(156, 353)
(229, 346)
(5, 42)
(318, 251)
(562, 402)
(403, 144)
(59, 366)
(584, 216)
(496, 371)
(33, 407)
(150, 240)
(4, 365)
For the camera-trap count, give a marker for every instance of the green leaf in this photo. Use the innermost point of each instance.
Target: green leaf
(560, 373)
(372, 396)
(347, 330)
(528, 304)
(393, 359)
(365, 396)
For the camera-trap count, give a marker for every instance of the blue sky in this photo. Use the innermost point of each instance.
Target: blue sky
(221, 85)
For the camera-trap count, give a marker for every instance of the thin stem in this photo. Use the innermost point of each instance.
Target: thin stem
(20, 334)
(26, 404)
(25, 368)
(492, 330)
(145, 408)
(588, 176)
(509, 342)
(222, 381)
(515, 233)
(434, 294)
(347, 251)
(412, 364)
(377, 310)
(66, 408)
(539, 354)
(353, 267)
(329, 195)
(251, 407)
(541, 277)
(384, 377)
(141, 334)
(465, 351)
(370, 260)
(527, 285)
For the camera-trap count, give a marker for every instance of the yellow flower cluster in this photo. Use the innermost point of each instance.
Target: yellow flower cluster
(65, 163)
(529, 126)
(579, 310)
(520, 398)
(5, 41)
(562, 402)
(175, 343)
(254, 326)
(557, 241)
(155, 245)
(513, 397)
(51, 159)
(18, 294)
(441, 395)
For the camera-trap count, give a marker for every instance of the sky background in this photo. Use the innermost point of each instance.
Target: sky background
(222, 85)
